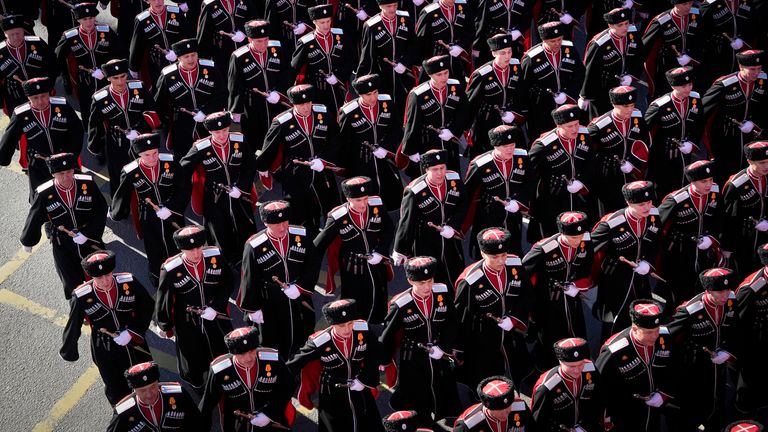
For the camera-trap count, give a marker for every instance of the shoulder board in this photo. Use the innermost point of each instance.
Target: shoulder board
(32, 38)
(431, 7)
(174, 9)
(452, 81)
(583, 130)
(22, 108)
(44, 186)
(257, 240)
(142, 16)
(520, 152)
(131, 166)
(518, 406)
(166, 157)
(730, 80)
(617, 220)
(452, 175)
(663, 330)
(694, 95)
(602, 39)
(714, 188)
(402, 13)
(740, 180)
(336, 30)
(694, 11)
(547, 139)
(474, 276)
(83, 289)
(439, 288)
(284, 117)
(549, 246)
(762, 75)
(418, 186)
(375, 200)
(339, 212)
(83, 177)
(299, 230)
(268, 354)
(350, 106)
(403, 299)
(236, 136)
(208, 1)
(587, 236)
(207, 62)
(320, 339)
(485, 70)
(58, 100)
(662, 100)
(307, 38)
(478, 416)
(242, 50)
(554, 380)
(135, 84)
(203, 144)
(319, 108)
(514, 61)
(619, 344)
(589, 366)
(99, 95)
(170, 388)
(211, 251)
(125, 404)
(102, 28)
(172, 264)
(637, 113)
(421, 88)
(654, 211)
(123, 278)
(632, 28)
(682, 196)
(731, 295)
(758, 284)
(566, 43)
(694, 307)
(461, 2)
(360, 325)
(534, 51)
(3, 44)
(71, 33)
(513, 261)
(484, 159)
(384, 97)
(372, 21)
(603, 122)
(170, 68)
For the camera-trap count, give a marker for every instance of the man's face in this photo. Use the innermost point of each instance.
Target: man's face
(502, 56)
(436, 174)
(40, 101)
(619, 29)
(188, 61)
(323, 25)
(505, 152)
(148, 393)
(624, 111)
(422, 287)
(573, 369)
(259, 44)
(759, 167)
(103, 281)
(554, 44)
(344, 329)
(640, 210)
(15, 36)
(719, 297)
(87, 23)
(64, 178)
(370, 99)
(303, 109)
(683, 8)
(118, 81)
(684, 90)
(193, 255)
(221, 135)
(645, 336)
(569, 130)
(150, 157)
(278, 230)
(156, 4)
(495, 261)
(439, 78)
(750, 73)
(702, 187)
(358, 204)
(247, 359)
(388, 10)
(573, 240)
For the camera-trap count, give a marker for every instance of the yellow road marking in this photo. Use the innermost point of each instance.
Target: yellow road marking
(69, 400)
(18, 259)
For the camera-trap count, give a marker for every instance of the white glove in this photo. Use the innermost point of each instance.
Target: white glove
(184, 7)
(720, 357)
(316, 165)
(361, 15)
(512, 206)
(747, 126)
(123, 339)
(27, 249)
(163, 213)
(235, 192)
(418, 2)
(736, 44)
(704, 243)
(626, 167)
(508, 117)
(170, 56)
(331, 79)
(445, 134)
(575, 186)
(583, 103)
(260, 420)
(292, 292)
(642, 268)
(626, 80)
(133, 74)
(560, 98)
(628, 4)
(98, 74)
(571, 290)
(579, 429)
(79, 238)
(263, 173)
(375, 258)
(506, 324)
(380, 153)
(655, 401)
(273, 97)
(455, 51)
(100, 7)
(357, 385)
(686, 147)
(400, 68)
(515, 34)
(257, 317)
(762, 226)
(398, 258)
(300, 28)
(208, 314)
(683, 59)
(131, 134)
(236, 117)
(199, 117)
(447, 231)
(238, 36)
(436, 353)
(566, 18)
(415, 157)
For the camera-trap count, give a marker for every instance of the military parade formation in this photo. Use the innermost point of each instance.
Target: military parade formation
(511, 215)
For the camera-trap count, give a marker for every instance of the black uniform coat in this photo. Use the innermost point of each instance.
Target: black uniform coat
(356, 129)
(125, 11)
(108, 124)
(668, 128)
(215, 18)
(209, 95)
(178, 413)
(424, 384)
(744, 207)
(554, 405)
(147, 34)
(279, 11)
(39, 62)
(432, 26)
(269, 393)
(198, 341)
(415, 238)
(486, 348)
(131, 311)
(87, 215)
(474, 419)
(62, 134)
(347, 20)
(718, 18)
(493, 17)
(752, 312)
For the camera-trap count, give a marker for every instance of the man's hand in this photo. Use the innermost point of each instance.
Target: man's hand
(436, 353)
(235, 192)
(515, 34)
(512, 206)
(415, 157)
(331, 79)
(170, 56)
(257, 317)
(131, 135)
(236, 117)
(134, 75)
(361, 15)
(208, 314)
(400, 68)
(704, 243)
(380, 153)
(683, 60)
(79, 238)
(508, 117)
(292, 292)
(628, 4)
(642, 268)
(357, 385)
(575, 186)
(571, 290)
(566, 18)
(762, 226)
(199, 117)
(583, 103)
(686, 147)
(260, 420)
(238, 37)
(626, 80)
(655, 401)
(506, 324)
(273, 97)
(101, 7)
(398, 258)
(447, 231)
(300, 28)
(455, 50)
(123, 339)
(98, 74)
(316, 165)
(184, 7)
(163, 213)
(737, 44)
(720, 357)
(626, 167)
(375, 258)
(445, 134)
(747, 126)
(560, 98)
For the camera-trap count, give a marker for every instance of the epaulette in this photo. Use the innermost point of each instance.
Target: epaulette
(587, 236)
(632, 28)
(402, 13)
(124, 405)
(101, 94)
(102, 28)
(418, 187)
(131, 166)
(206, 62)
(654, 211)
(730, 80)
(170, 388)
(32, 38)
(554, 380)
(548, 139)
(483, 159)
(350, 106)
(174, 9)
(402, 299)
(431, 7)
(339, 212)
(485, 70)
(731, 295)
(268, 354)
(476, 417)
(694, 11)
(71, 33)
(518, 406)
(637, 113)
(83, 177)
(663, 330)
(172, 263)
(421, 88)
(714, 188)
(616, 220)
(762, 75)
(83, 289)
(170, 68)
(236, 136)
(619, 344)
(372, 21)
(451, 81)
(123, 278)
(319, 108)
(208, 1)
(711, 1)
(439, 288)
(602, 39)
(3, 44)
(603, 122)
(384, 97)
(662, 100)
(242, 50)
(135, 84)
(58, 100)
(535, 51)
(520, 152)
(758, 284)
(142, 16)
(694, 95)
(307, 38)
(583, 130)
(165, 157)
(257, 239)
(337, 31)
(22, 108)
(211, 251)
(44, 186)
(360, 325)
(298, 230)
(284, 117)
(452, 175)
(512, 61)
(513, 260)
(566, 43)
(589, 366)
(203, 144)
(474, 276)
(694, 307)
(321, 338)
(549, 246)
(375, 200)
(740, 180)
(682, 196)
